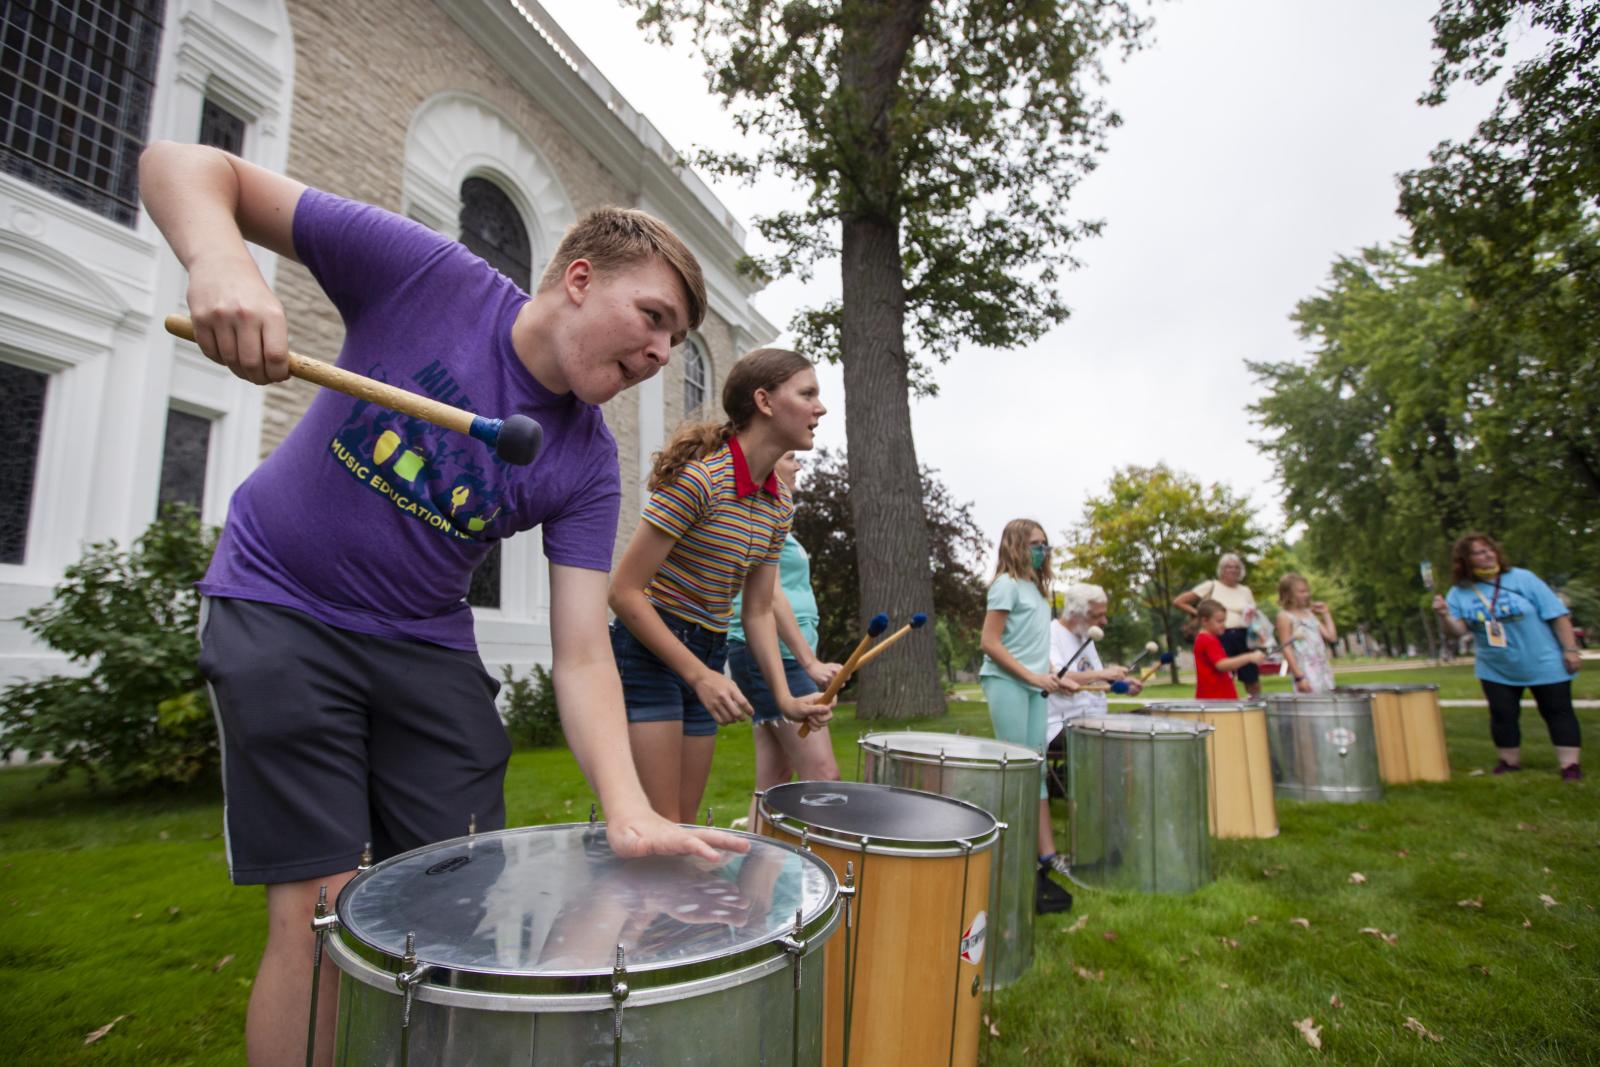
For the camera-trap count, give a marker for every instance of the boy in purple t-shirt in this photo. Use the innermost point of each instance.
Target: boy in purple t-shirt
(350, 697)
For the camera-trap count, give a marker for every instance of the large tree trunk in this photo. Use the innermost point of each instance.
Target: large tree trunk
(885, 488)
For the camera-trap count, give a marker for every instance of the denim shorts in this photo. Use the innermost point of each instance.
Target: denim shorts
(653, 691)
(747, 676)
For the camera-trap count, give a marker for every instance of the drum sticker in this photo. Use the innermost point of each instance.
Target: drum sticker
(972, 941)
(454, 863)
(824, 800)
(1339, 735)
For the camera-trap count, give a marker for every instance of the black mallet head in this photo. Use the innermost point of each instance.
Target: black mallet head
(515, 440)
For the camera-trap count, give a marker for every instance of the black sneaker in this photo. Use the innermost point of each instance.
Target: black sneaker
(1049, 898)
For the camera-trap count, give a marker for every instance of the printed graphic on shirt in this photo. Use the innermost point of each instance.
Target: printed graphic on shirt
(446, 480)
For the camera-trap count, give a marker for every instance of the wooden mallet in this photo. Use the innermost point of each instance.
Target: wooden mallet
(876, 626)
(917, 622)
(1150, 671)
(1093, 634)
(515, 439)
(1150, 649)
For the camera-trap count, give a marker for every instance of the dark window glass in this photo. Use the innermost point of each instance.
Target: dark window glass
(491, 228)
(696, 377)
(76, 79)
(183, 458)
(22, 399)
(485, 589)
(221, 128)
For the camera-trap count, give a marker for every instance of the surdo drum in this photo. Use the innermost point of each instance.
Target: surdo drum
(1410, 732)
(1239, 786)
(1002, 779)
(905, 977)
(1138, 793)
(1323, 746)
(539, 946)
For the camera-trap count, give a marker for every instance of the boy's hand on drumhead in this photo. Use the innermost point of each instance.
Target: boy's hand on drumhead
(648, 834)
(722, 698)
(238, 321)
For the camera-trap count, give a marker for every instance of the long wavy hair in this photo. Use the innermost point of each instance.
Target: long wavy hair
(1015, 559)
(765, 368)
(1461, 557)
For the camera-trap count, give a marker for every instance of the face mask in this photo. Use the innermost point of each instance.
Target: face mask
(1486, 573)
(1039, 553)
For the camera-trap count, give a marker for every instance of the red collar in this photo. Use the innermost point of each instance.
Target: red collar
(743, 484)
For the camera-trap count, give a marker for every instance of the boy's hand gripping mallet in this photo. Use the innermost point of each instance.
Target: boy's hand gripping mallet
(878, 624)
(515, 439)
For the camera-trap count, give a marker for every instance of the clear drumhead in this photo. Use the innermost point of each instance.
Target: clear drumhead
(554, 902)
(1147, 726)
(1161, 707)
(951, 746)
(883, 813)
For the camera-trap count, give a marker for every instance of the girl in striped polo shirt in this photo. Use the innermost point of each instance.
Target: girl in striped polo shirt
(714, 526)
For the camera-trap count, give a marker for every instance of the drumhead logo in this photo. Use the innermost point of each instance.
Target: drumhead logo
(1340, 735)
(454, 863)
(824, 800)
(973, 939)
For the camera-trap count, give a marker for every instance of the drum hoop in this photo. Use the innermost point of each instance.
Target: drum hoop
(1201, 730)
(1386, 687)
(1025, 759)
(1223, 707)
(500, 991)
(671, 973)
(883, 845)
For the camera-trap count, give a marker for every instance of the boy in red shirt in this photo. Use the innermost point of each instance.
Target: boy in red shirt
(1213, 667)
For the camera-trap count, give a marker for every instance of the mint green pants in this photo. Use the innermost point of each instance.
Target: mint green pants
(1019, 714)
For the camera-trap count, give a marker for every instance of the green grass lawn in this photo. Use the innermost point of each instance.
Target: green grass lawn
(120, 907)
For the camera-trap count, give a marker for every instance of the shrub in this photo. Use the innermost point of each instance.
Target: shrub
(530, 709)
(138, 715)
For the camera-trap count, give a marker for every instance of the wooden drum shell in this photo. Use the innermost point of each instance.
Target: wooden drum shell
(1240, 799)
(1410, 732)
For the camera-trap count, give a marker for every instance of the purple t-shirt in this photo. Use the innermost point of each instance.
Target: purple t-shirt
(373, 521)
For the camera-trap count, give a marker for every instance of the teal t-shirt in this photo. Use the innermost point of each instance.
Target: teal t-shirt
(1027, 632)
(794, 575)
(1525, 606)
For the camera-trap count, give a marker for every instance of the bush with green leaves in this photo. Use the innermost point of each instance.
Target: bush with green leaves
(137, 715)
(530, 709)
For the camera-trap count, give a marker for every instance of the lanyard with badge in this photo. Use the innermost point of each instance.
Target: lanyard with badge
(1493, 629)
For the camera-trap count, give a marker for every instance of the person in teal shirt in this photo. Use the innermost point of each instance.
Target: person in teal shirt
(781, 752)
(1522, 638)
(1016, 675)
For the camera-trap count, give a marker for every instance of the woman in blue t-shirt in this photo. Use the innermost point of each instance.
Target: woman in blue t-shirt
(1522, 638)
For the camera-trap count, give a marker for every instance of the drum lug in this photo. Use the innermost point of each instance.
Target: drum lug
(805, 838)
(709, 821)
(366, 857)
(619, 993)
(321, 923)
(592, 814)
(472, 828)
(410, 975)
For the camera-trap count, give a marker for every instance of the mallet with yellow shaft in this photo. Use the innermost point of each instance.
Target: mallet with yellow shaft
(917, 622)
(515, 439)
(876, 626)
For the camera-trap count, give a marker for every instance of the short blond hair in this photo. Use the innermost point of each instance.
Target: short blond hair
(614, 238)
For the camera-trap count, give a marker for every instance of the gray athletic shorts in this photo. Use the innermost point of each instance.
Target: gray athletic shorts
(331, 739)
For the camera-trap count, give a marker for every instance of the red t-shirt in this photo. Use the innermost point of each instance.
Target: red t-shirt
(1210, 683)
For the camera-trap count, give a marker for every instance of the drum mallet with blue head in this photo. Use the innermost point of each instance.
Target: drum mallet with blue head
(515, 439)
(878, 624)
(917, 622)
(1150, 671)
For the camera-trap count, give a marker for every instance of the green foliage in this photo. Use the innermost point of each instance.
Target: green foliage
(1156, 532)
(964, 125)
(1420, 414)
(529, 708)
(138, 714)
(960, 648)
(825, 524)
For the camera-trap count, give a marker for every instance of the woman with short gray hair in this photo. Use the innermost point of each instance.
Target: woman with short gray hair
(1229, 590)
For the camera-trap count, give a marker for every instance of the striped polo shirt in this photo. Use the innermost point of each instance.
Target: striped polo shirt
(725, 527)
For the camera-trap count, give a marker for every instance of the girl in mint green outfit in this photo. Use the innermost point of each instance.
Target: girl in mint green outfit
(1016, 676)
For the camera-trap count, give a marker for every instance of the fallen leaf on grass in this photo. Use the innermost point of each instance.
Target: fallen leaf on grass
(1312, 1034)
(1418, 1028)
(1272, 872)
(1252, 920)
(994, 1031)
(1475, 773)
(1388, 939)
(1481, 969)
(1459, 855)
(173, 911)
(1304, 924)
(1547, 900)
(138, 915)
(1475, 902)
(1566, 948)
(1527, 826)
(1527, 923)
(1547, 870)
(1224, 985)
(1335, 1002)
(1183, 959)
(1357, 878)
(1228, 942)
(1403, 853)
(223, 962)
(96, 1035)
(1362, 826)
(1078, 924)
(163, 835)
(1110, 935)
(1087, 975)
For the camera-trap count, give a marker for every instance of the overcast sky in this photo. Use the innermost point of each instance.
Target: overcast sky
(1260, 139)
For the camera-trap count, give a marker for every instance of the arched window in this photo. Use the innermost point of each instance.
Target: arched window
(492, 228)
(696, 376)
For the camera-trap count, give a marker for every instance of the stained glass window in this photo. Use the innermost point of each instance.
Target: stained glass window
(183, 458)
(22, 394)
(76, 78)
(696, 376)
(492, 228)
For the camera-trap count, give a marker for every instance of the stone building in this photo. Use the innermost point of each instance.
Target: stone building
(479, 118)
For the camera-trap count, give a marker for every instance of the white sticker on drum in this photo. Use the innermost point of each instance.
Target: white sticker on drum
(824, 800)
(1340, 735)
(972, 941)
